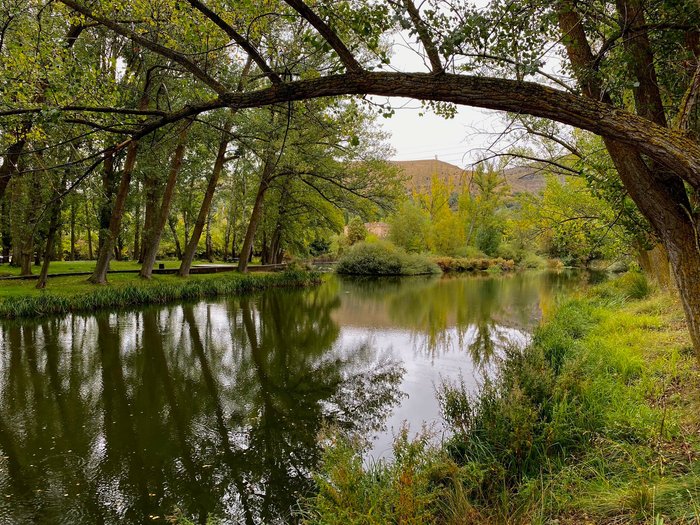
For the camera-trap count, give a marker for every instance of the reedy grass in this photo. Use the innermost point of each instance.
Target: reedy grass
(90, 298)
(596, 421)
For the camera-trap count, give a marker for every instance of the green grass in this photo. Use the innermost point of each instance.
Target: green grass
(595, 422)
(19, 299)
(80, 267)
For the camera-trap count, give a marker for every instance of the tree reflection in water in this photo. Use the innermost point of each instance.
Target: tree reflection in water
(480, 313)
(212, 409)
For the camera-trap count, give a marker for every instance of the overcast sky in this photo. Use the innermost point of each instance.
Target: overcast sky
(458, 141)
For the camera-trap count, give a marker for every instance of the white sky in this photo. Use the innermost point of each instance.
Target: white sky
(458, 141)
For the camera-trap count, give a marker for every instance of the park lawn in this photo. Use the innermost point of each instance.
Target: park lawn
(85, 266)
(73, 285)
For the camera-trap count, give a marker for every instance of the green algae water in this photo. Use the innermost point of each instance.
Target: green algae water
(218, 408)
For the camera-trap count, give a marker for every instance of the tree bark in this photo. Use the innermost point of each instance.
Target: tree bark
(160, 221)
(6, 231)
(150, 187)
(208, 247)
(173, 229)
(11, 160)
(99, 276)
(135, 253)
(193, 242)
(49, 250)
(255, 216)
(72, 229)
(109, 187)
(89, 229)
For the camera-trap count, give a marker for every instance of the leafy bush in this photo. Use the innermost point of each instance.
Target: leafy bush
(508, 251)
(488, 239)
(471, 252)
(454, 264)
(356, 231)
(383, 258)
(532, 261)
(409, 226)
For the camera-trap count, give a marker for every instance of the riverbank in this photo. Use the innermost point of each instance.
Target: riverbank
(73, 294)
(595, 422)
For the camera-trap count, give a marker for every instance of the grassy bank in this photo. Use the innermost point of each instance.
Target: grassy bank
(19, 299)
(595, 422)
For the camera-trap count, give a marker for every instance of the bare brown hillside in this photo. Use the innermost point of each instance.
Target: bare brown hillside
(419, 173)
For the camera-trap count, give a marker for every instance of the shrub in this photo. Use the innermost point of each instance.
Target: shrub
(488, 239)
(356, 231)
(632, 285)
(532, 261)
(455, 264)
(383, 258)
(408, 227)
(508, 251)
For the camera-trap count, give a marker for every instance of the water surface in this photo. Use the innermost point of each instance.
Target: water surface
(216, 407)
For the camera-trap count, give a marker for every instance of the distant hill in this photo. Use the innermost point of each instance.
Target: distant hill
(419, 173)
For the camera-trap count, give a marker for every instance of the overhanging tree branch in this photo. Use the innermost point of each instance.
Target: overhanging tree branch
(238, 39)
(346, 56)
(148, 44)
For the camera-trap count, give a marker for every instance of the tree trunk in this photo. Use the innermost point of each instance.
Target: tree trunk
(193, 241)
(89, 229)
(50, 249)
(11, 160)
(72, 230)
(149, 223)
(173, 229)
(136, 252)
(99, 276)
(158, 226)
(654, 262)
(109, 182)
(6, 231)
(25, 258)
(256, 214)
(209, 250)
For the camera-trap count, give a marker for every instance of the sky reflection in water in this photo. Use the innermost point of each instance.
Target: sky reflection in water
(215, 408)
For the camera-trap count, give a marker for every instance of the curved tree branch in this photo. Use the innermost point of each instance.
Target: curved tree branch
(348, 59)
(244, 43)
(148, 44)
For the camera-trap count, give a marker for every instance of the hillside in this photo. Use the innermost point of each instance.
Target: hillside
(419, 173)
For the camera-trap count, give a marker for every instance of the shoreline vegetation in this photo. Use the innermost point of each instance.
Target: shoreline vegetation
(76, 295)
(596, 421)
(379, 257)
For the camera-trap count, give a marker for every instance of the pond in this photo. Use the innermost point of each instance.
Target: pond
(216, 407)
